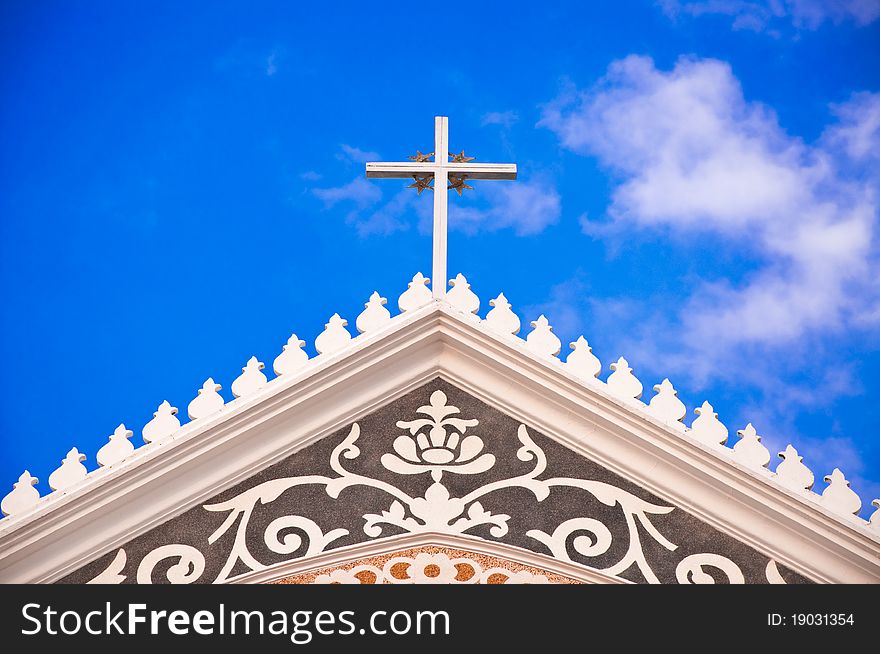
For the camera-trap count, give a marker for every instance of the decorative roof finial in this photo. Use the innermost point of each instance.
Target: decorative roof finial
(117, 448)
(707, 428)
(374, 315)
(208, 400)
(542, 340)
(462, 297)
(665, 404)
(416, 294)
(250, 380)
(292, 357)
(839, 497)
(582, 362)
(622, 382)
(71, 471)
(792, 473)
(749, 450)
(163, 424)
(501, 318)
(23, 495)
(334, 337)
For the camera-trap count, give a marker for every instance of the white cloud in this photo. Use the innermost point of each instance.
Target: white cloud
(503, 118)
(356, 155)
(858, 133)
(694, 157)
(528, 207)
(370, 216)
(694, 160)
(391, 216)
(359, 191)
(768, 15)
(563, 309)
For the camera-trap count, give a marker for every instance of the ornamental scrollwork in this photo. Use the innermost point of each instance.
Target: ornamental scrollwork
(438, 442)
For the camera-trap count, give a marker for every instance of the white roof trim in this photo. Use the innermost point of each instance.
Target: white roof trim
(115, 503)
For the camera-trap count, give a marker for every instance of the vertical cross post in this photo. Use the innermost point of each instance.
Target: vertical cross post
(424, 172)
(441, 198)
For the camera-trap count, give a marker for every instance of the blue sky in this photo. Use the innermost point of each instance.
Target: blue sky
(181, 187)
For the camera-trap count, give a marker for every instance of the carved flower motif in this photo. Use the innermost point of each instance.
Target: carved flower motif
(338, 577)
(425, 569)
(436, 443)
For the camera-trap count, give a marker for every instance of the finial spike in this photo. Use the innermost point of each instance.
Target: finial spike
(71, 471)
(334, 337)
(292, 357)
(501, 318)
(117, 448)
(462, 297)
(707, 428)
(542, 340)
(250, 380)
(792, 473)
(665, 404)
(874, 522)
(22, 497)
(207, 402)
(416, 294)
(582, 362)
(839, 497)
(622, 382)
(163, 424)
(750, 451)
(374, 315)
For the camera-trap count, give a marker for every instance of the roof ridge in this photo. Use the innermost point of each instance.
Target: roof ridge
(706, 429)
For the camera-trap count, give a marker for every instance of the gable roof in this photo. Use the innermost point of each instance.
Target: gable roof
(730, 489)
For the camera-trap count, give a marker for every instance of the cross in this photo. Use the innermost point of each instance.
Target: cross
(445, 175)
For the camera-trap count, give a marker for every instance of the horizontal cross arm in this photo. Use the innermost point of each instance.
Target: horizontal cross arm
(400, 169)
(483, 170)
(406, 169)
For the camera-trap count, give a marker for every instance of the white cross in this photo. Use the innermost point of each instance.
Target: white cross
(441, 170)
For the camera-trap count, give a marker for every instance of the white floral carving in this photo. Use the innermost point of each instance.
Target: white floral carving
(187, 570)
(772, 573)
(690, 569)
(438, 511)
(436, 444)
(426, 568)
(342, 576)
(243, 505)
(112, 574)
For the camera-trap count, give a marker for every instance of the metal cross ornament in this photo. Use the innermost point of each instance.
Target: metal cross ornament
(446, 175)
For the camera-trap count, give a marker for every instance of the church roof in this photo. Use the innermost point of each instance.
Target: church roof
(135, 488)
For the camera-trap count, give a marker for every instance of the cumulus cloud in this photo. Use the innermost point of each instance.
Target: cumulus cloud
(368, 213)
(858, 132)
(694, 157)
(356, 155)
(272, 64)
(527, 207)
(358, 191)
(503, 118)
(769, 15)
(693, 161)
(392, 216)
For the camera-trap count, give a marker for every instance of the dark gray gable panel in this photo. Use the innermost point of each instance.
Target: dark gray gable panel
(573, 509)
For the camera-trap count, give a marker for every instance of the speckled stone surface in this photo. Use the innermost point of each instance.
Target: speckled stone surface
(378, 431)
(484, 562)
